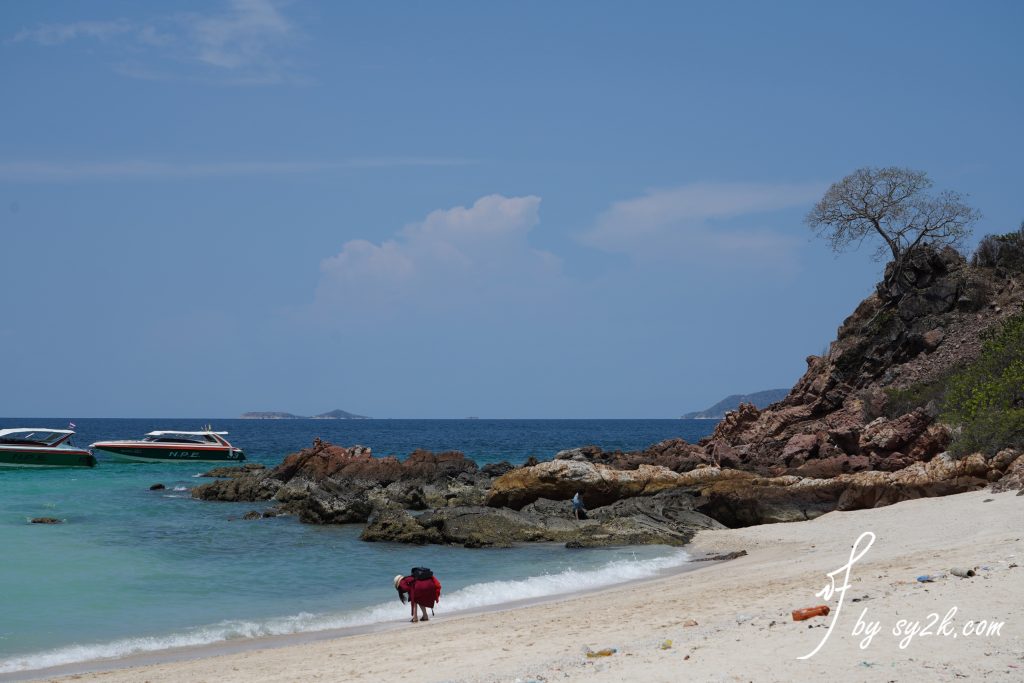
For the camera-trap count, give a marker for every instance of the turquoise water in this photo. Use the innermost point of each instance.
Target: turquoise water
(134, 570)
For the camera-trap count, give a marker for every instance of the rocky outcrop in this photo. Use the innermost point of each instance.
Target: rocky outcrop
(750, 499)
(561, 479)
(916, 327)
(674, 454)
(249, 487)
(234, 470)
(666, 518)
(1011, 468)
(328, 484)
(741, 498)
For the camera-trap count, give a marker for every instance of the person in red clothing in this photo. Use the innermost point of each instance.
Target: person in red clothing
(423, 590)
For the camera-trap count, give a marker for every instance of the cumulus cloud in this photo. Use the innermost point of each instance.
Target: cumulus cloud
(700, 220)
(454, 258)
(245, 43)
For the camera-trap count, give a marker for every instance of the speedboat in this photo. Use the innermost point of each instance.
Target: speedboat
(41, 447)
(173, 446)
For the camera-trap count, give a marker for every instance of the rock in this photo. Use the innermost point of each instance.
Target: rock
(800, 447)
(399, 526)
(1013, 477)
(157, 487)
(328, 484)
(327, 502)
(561, 479)
(234, 470)
(1004, 458)
(667, 518)
(496, 469)
(253, 514)
(741, 499)
(932, 339)
(251, 487)
(726, 556)
(46, 520)
(583, 453)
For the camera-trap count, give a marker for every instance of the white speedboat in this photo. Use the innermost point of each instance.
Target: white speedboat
(174, 446)
(41, 447)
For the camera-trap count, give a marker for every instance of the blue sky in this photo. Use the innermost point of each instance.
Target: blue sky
(529, 209)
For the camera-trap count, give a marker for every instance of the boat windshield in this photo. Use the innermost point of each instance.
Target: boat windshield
(179, 438)
(32, 438)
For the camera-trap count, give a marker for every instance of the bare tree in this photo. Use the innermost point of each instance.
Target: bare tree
(893, 204)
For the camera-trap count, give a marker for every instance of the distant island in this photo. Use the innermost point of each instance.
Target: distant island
(761, 399)
(332, 415)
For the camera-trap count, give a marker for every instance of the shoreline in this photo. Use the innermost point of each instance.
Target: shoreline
(272, 642)
(742, 631)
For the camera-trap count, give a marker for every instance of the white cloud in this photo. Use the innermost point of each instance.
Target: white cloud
(51, 171)
(244, 36)
(246, 44)
(454, 258)
(58, 34)
(700, 220)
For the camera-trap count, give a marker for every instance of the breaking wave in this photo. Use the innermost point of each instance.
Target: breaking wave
(474, 596)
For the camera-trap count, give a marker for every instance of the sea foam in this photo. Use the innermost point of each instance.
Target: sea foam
(474, 596)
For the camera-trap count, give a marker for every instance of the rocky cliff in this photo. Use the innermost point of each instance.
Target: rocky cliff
(856, 431)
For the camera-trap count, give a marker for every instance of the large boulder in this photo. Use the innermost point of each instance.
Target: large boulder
(561, 479)
(247, 487)
(400, 527)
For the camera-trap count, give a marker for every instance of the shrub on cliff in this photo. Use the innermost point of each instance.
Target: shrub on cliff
(986, 398)
(1003, 252)
(907, 399)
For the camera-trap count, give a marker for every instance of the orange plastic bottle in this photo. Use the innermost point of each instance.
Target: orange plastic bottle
(808, 612)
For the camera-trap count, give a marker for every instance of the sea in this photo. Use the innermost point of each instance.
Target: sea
(133, 571)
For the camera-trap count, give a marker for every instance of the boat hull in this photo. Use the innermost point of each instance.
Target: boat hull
(175, 453)
(42, 457)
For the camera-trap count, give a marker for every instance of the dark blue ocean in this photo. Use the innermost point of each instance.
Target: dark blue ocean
(132, 570)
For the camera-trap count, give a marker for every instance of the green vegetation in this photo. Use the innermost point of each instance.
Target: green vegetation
(1004, 252)
(986, 398)
(903, 401)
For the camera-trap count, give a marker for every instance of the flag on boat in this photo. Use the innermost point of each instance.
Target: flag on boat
(71, 425)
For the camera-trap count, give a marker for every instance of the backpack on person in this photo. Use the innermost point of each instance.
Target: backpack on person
(422, 573)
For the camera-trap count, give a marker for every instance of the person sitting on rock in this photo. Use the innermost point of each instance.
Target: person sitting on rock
(422, 588)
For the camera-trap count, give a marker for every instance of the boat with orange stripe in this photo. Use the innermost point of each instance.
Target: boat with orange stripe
(41, 447)
(173, 446)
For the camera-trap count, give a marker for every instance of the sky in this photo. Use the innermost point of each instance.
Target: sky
(450, 209)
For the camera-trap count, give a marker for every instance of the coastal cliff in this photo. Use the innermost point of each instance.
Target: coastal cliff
(872, 422)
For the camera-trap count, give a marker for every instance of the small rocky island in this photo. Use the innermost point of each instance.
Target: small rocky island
(330, 415)
(872, 422)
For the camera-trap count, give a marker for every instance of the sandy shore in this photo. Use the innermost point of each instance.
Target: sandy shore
(743, 631)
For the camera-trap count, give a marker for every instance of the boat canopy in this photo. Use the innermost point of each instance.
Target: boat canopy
(41, 436)
(5, 432)
(172, 433)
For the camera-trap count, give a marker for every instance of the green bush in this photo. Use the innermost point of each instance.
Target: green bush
(903, 401)
(986, 399)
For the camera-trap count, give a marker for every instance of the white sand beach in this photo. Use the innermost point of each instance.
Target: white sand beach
(744, 630)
